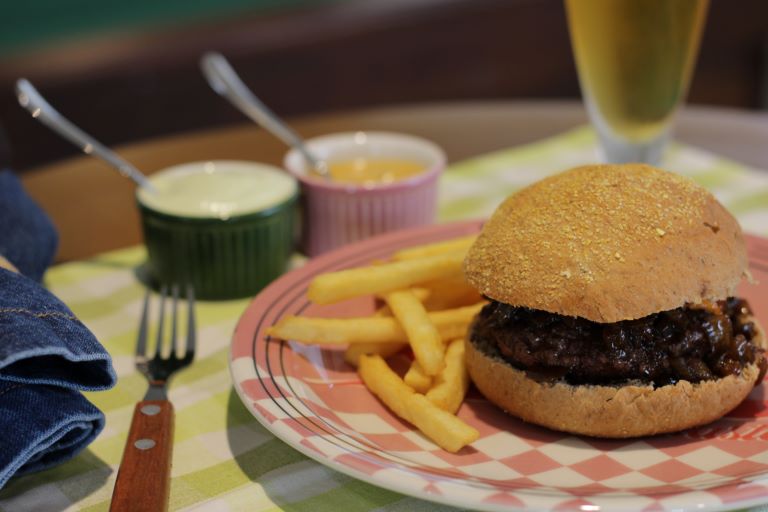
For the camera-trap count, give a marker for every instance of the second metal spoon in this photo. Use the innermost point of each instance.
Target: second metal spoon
(225, 81)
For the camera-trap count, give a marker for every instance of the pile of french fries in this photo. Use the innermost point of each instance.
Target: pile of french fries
(428, 307)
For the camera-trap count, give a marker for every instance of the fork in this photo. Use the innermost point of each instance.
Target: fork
(143, 481)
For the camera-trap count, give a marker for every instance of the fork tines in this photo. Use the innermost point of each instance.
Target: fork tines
(174, 341)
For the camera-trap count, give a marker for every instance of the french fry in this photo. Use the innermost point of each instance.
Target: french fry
(383, 382)
(425, 340)
(451, 384)
(421, 293)
(449, 292)
(453, 323)
(355, 350)
(445, 429)
(450, 323)
(420, 251)
(417, 378)
(345, 284)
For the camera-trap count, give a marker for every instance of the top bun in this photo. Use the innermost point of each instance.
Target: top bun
(608, 243)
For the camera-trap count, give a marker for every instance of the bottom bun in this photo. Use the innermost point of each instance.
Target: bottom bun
(633, 410)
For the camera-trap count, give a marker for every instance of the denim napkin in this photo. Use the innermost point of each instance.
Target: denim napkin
(47, 356)
(27, 236)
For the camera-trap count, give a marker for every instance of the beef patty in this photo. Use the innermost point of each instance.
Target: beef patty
(692, 343)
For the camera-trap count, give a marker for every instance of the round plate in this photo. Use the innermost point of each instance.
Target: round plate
(312, 400)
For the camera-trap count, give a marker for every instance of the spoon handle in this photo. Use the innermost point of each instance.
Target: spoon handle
(41, 110)
(225, 81)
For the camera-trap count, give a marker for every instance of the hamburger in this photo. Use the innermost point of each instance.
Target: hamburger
(612, 309)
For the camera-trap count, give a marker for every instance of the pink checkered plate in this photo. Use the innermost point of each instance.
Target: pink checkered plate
(312, 400)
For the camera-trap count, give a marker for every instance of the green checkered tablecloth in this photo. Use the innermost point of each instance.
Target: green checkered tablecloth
(223, 458)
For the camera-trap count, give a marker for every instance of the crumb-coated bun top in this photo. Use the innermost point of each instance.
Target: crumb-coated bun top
(608, 243)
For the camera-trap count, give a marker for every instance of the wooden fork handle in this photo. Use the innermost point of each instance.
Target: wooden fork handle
(143, 480)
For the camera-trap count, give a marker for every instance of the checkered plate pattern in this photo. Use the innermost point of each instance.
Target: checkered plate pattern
(312, 400)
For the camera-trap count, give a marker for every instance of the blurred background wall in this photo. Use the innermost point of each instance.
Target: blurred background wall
(127, 70)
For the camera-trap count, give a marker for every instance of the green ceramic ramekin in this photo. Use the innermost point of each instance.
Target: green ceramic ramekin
(224, 256)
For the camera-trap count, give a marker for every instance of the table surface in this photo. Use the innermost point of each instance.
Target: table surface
(223, 458)
(105, 217)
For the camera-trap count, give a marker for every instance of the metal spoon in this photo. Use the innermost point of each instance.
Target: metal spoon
(41, 110)
(225, 81)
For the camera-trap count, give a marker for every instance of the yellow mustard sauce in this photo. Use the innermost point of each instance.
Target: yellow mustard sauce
(370, 172)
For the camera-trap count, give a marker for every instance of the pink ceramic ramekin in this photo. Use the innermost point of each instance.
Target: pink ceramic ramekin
(335, 214)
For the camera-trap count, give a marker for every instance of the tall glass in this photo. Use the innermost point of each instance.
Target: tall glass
(635, 59)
